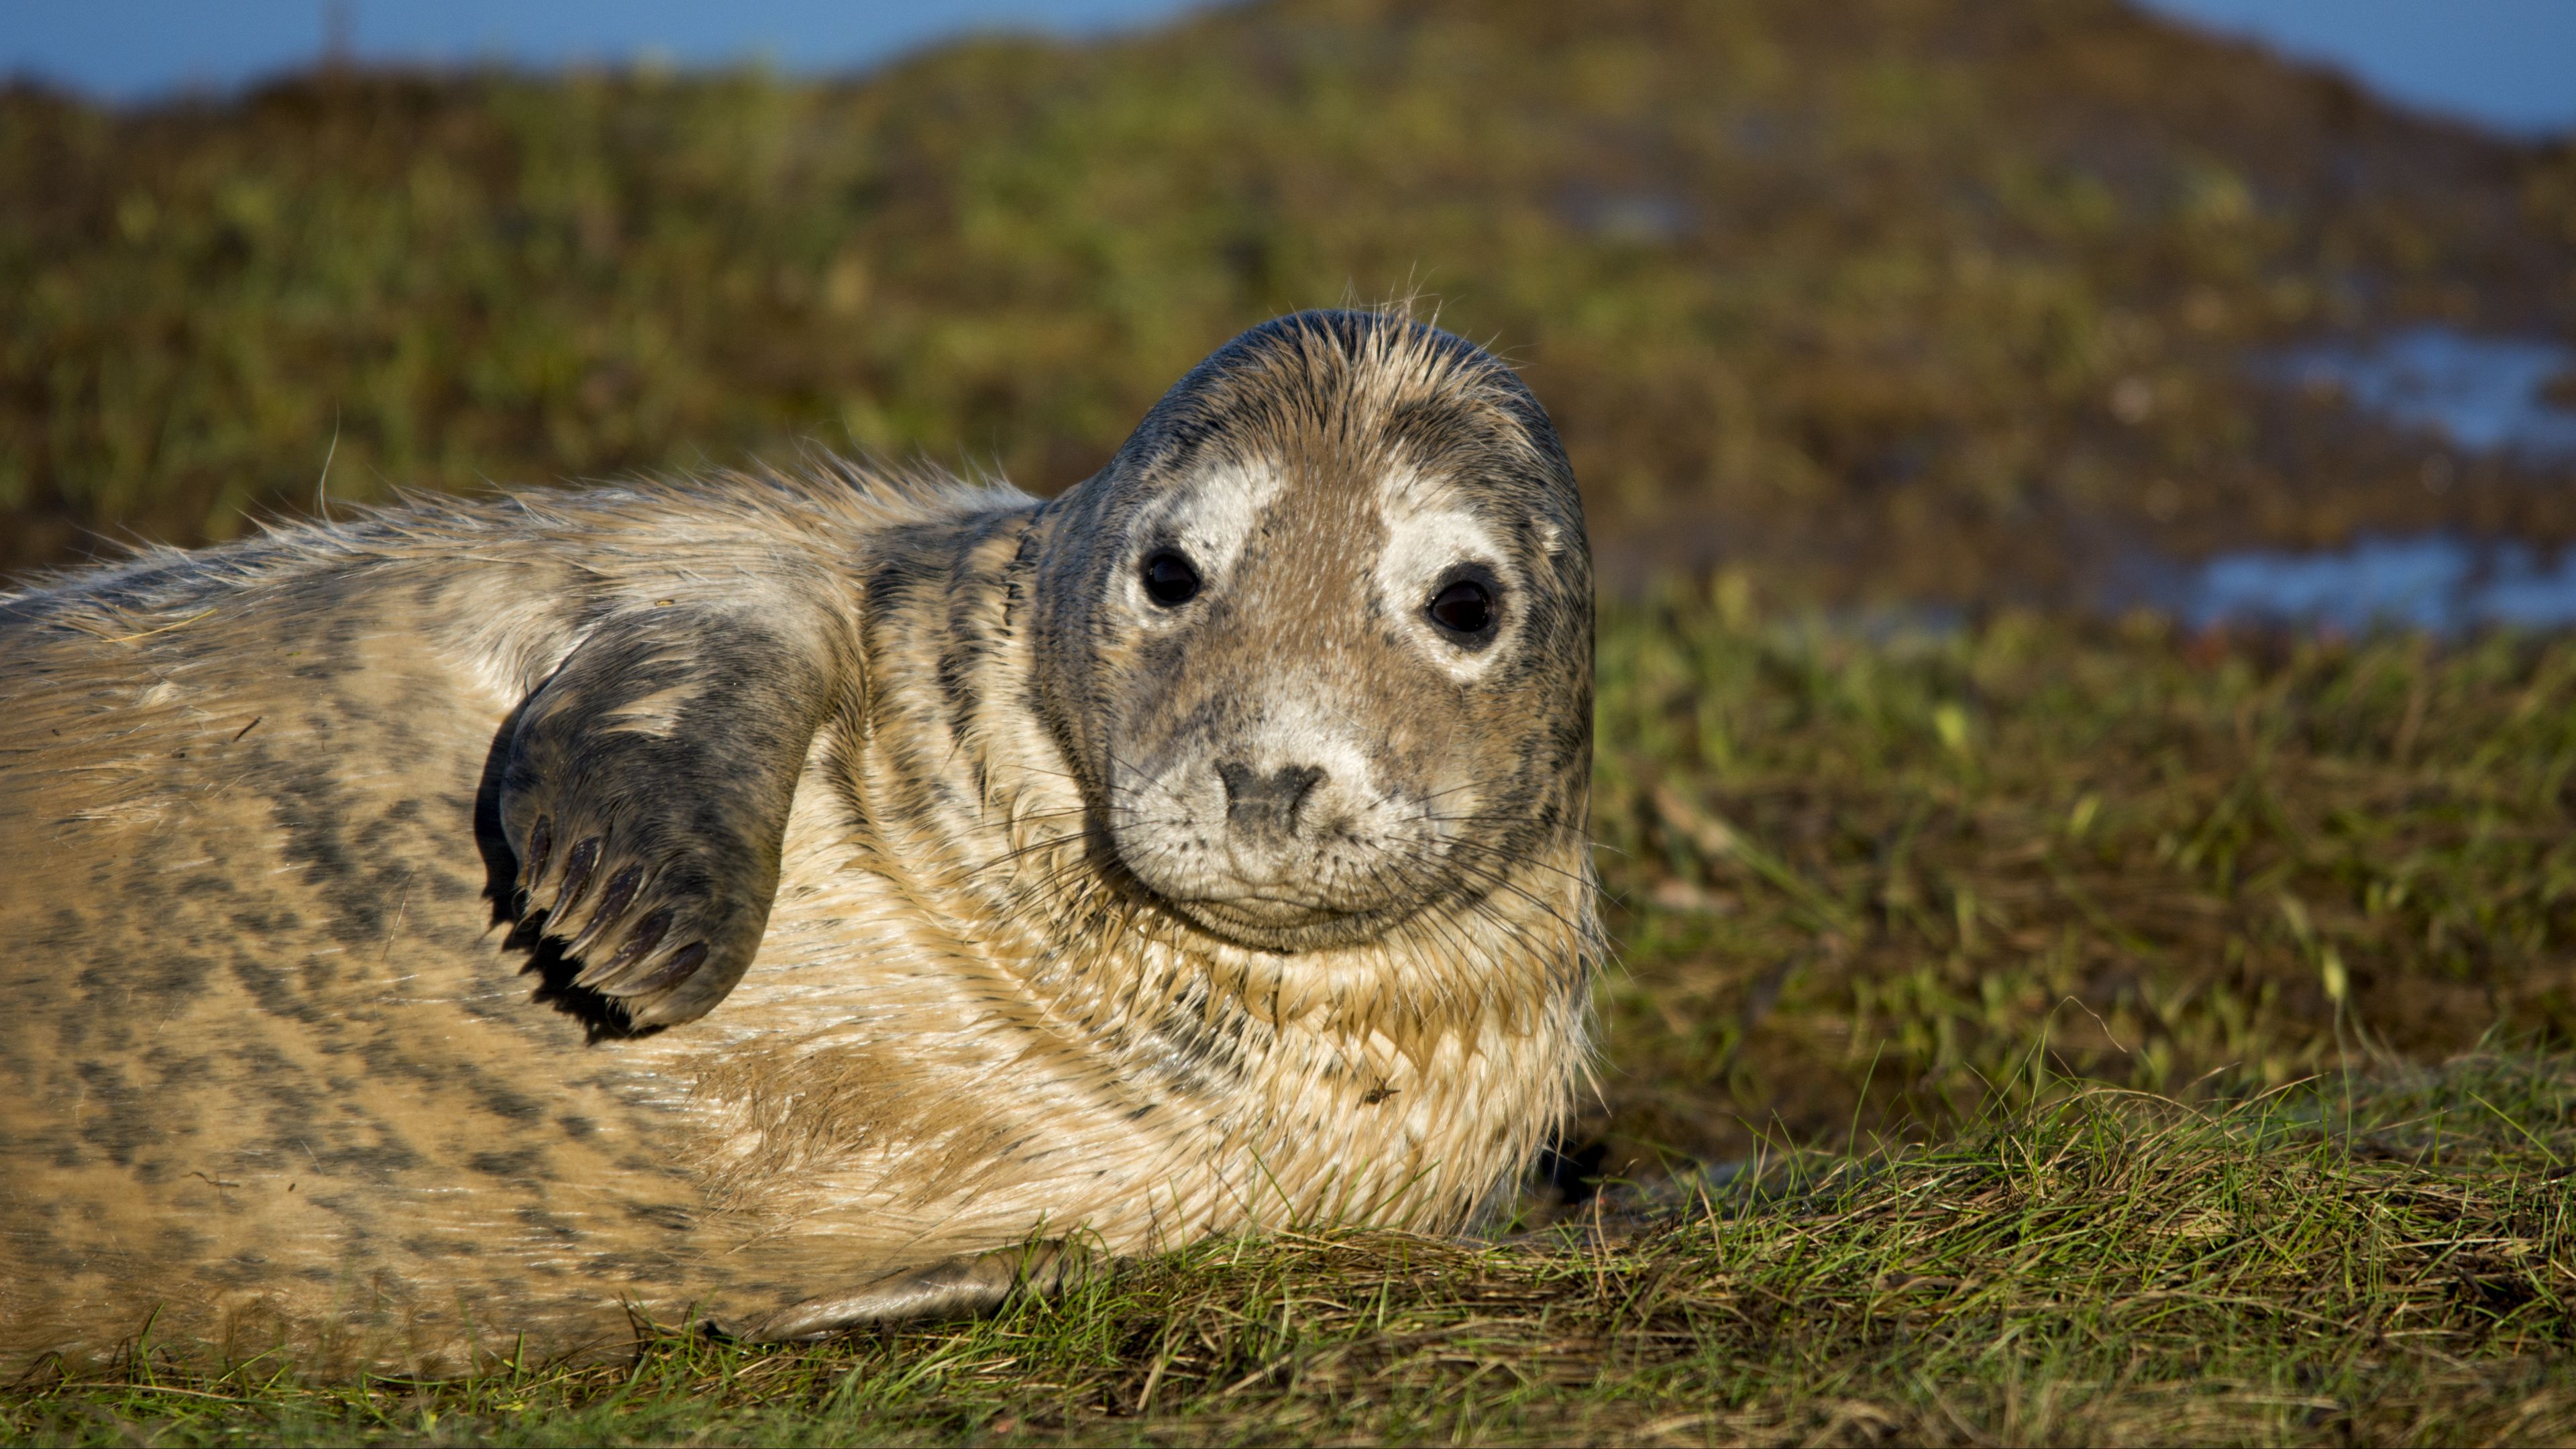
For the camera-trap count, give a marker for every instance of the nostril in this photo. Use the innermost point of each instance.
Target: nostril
(1251, 796)
(1292, 785)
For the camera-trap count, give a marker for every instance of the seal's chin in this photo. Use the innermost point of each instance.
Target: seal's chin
(1268, 924)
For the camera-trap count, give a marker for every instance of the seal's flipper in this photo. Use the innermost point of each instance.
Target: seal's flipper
(646, 795)
(954, 1288)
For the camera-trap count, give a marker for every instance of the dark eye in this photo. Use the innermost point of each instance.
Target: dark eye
(1170, 580)
(1465, 607)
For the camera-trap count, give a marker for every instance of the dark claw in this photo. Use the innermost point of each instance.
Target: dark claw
(577, 868)
(677, 970)
(621, 889)
(647, 935)
(541, 843)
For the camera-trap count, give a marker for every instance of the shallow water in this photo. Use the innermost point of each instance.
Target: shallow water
(2485, 394)
(2481, 394)
(2443, 583)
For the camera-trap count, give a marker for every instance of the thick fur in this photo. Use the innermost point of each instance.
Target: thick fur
(797, 902)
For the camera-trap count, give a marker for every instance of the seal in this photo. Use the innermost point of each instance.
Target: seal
(791, 902)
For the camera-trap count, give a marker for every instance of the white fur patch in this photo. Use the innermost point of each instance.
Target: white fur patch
(1431, 529)
(1207, 518)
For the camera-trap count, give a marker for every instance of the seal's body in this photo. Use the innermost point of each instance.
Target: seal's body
(799, 902)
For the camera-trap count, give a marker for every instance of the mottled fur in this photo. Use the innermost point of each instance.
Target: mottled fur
(736, 897)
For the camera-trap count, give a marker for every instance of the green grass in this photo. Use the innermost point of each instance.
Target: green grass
(2035, 1032)
(1857, 880)
(2096, 1266)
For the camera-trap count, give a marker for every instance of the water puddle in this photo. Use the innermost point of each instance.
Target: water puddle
(2440, 583)
(2486, 394)
(2483, 394)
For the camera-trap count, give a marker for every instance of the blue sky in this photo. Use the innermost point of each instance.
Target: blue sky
(132, 49)
(2509, 64)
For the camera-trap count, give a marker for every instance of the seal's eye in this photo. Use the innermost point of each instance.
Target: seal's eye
(1463, 607)
(1170, 580)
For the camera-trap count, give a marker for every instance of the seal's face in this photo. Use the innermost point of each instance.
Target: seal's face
(1331, 660)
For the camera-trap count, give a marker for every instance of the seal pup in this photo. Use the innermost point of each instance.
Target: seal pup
(800, 902)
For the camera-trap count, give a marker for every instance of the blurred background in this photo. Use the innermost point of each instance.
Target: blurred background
(2010, 428)
(2230, 307)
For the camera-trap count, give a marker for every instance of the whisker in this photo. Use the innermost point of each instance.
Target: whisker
(1501, 881)
(1518, 932)
(1495, 853)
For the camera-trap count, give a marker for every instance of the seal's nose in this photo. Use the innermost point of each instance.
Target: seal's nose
(1266, 804)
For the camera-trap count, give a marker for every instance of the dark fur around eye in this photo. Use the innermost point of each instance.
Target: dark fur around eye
(1169, 579)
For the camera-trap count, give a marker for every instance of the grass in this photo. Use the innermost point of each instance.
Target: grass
(1856, 878)
(2091, 1266)
(2033, 1032)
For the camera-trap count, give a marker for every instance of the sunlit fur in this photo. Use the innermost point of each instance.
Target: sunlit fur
(270, 1067)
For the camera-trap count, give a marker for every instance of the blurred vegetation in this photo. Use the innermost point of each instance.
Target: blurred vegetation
(1902, 298)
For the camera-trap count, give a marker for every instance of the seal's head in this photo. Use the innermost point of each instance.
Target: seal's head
(1319, 639)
